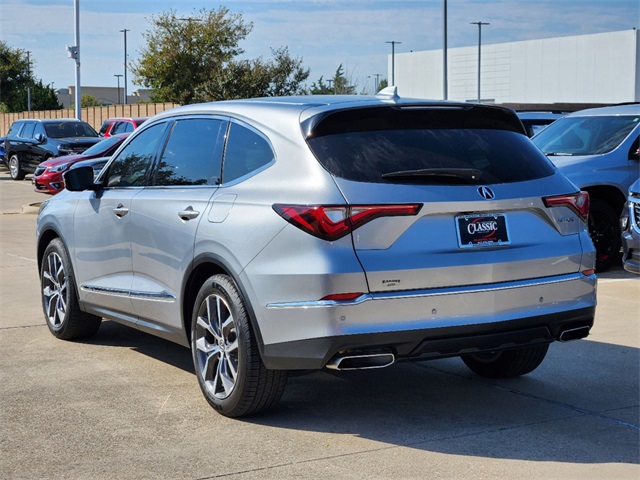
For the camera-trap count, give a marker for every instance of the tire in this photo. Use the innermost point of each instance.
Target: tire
(604, 229)
(60, 299)
(507, 363)
(227, 362)
(15, 169)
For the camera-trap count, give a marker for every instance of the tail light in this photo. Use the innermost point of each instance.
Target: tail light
(578, 202)
(331, 222)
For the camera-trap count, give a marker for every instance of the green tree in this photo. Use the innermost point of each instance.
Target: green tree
(87, 101)
(15, 77)
(383, 84)
(320, 88)
(43, 97)
(194, 60)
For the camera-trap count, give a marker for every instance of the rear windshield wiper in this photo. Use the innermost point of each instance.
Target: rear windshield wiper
(558, 154)
(439, 175)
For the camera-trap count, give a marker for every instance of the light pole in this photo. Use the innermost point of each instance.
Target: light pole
(479, 49)
(445, 82)
(118, 75)
(125, 64)
(377, 75)
(393, 61)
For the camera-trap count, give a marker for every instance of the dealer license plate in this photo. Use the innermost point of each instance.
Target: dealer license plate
(482, 230)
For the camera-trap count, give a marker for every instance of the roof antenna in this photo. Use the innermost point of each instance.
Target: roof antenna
(389, 93)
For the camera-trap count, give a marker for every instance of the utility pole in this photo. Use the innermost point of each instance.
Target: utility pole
(118, 75)
(125, 64)
(393, 61)
(479, 51)
(445, 82)
(29, 81)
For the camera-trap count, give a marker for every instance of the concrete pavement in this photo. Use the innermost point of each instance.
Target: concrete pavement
(127, 405)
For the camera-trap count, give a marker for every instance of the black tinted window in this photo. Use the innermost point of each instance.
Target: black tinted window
(246, 152)
(70, 129)
(426, 146)
(133, 162)
(192, 155)
(104, 128)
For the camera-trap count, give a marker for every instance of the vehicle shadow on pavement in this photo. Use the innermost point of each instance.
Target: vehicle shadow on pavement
(579, 406)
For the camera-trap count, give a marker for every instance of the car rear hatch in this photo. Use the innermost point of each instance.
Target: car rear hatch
(488, 207)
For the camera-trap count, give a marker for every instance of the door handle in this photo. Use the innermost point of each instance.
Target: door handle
(188, 214)
(120, 210)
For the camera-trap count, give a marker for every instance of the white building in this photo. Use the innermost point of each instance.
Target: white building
(599, 68)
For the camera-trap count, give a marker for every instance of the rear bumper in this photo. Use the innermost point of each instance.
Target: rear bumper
(428, 324)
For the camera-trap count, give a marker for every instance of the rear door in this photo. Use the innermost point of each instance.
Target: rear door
(166, 215)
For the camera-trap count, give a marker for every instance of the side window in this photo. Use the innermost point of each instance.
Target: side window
(14, 129)
(192, 155)
(39, 129)
(27, 131)
(104, 128)
(130, 167)
(119, 127)
(246, 152)
(128, 127)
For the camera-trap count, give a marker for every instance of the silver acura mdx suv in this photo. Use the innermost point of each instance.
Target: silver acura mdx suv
(339, 232)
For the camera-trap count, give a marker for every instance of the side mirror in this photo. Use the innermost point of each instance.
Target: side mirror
(40, 137)
(79, 179)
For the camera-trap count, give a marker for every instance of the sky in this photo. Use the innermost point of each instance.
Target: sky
(324, 33)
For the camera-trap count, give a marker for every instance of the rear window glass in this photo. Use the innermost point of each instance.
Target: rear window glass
(427, 146)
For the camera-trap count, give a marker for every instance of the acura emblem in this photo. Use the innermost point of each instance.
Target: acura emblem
(486, 193)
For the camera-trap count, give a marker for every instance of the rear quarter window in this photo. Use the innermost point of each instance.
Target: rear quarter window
(367, 144)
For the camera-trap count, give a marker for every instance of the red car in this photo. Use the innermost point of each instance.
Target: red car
(112, 126)
(48, 176)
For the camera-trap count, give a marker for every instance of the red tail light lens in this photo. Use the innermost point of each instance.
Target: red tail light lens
(331, 222)
(578, 202)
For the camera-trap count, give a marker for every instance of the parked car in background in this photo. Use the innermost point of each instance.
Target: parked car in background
(341, 232)
(630, 226)
(535, 121)
(598, 150)
(48, 176)
(2, 150)
(113, 126)
(31, 142)
(97, 164)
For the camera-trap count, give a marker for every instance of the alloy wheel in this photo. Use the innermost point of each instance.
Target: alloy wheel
(216, 345)
(54, 290)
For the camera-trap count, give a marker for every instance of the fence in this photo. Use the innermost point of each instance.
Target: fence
(94, 116)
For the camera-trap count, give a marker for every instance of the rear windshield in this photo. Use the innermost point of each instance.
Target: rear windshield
(391, 145)
(69, 129)
(585, 135)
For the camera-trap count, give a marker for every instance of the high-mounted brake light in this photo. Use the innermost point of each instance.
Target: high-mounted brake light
(331, 222)
(578, 202)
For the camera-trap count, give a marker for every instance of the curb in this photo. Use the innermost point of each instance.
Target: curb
(31, 209)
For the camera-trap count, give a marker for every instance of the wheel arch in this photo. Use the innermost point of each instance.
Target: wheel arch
(45, 239)
(612, 195)
(203, 267)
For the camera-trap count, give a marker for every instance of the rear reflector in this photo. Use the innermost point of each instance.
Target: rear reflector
(342, 297)
(331, 222)
(578, 202)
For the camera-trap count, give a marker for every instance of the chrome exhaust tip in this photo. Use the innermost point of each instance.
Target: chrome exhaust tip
(574, 334)
(361, 362)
